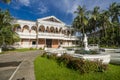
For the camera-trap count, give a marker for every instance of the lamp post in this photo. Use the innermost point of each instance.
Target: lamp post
(36, 35)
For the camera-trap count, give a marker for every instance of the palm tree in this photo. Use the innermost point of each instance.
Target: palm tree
(6, 1)
(94, 18)
(114, 10)
(81, 19)
(7, 36)
(105, 24)
(93, 21)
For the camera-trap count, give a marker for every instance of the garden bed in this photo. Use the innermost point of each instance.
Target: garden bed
(49, 69)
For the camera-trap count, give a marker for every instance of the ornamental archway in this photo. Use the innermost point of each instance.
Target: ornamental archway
(41, 28)
(25, 28)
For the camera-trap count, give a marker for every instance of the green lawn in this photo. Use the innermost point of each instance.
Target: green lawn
(18, 50)
(46, 69)
(24, 49)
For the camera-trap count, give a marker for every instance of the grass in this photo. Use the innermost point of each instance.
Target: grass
(19, 50)
(46, 69)
(24, 49)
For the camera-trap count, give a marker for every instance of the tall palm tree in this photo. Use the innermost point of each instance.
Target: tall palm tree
(93, 21)
(81, 19)
(5, 1)
(94, 18)
(105, 24)
(114, 10)
(7, 36)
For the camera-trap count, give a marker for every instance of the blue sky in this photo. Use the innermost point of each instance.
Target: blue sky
(62, 9)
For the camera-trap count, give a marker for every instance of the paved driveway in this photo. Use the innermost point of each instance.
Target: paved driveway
(21, 71)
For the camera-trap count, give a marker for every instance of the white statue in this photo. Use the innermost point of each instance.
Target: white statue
(0, 49)
(85, 43)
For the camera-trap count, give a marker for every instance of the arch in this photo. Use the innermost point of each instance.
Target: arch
(16, 27)
(25, 28)
(41, 28)
(68, 32)
(52, 29)
(33, 29)
(56, 30)
(72, 32)
(47, 29)
(60, 30)
(63, 31)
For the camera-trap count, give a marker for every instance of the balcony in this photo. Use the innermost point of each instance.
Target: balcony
(50, 35)
(27, 35)
(46, 35)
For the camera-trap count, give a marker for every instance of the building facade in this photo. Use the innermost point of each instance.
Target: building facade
(44, 32)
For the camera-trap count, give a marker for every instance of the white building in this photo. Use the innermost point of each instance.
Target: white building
(48, 31)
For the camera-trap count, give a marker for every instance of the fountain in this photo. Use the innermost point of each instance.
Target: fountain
(105, 58)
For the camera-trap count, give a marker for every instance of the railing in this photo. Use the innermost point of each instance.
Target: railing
(46, 35)
(50, 34)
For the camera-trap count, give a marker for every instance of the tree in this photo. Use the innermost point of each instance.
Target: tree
(102, 26)
(81, 19)
(93, 22)
(7, 35)
(5, 1)
(114, 10)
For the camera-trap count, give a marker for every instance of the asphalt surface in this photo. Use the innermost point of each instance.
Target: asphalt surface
(10, 69)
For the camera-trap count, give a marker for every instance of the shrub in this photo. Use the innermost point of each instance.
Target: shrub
(64, 59)
(52, 56)
(78, 64)
(81, 65)
(82, 51)
(49, 55)
(31, 48)
(44, 55)
(41, 48)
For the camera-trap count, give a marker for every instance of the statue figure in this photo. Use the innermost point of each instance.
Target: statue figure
(85, 43)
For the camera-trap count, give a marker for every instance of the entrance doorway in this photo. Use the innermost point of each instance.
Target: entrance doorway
(49, 43)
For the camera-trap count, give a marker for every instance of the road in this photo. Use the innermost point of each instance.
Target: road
(18, 65)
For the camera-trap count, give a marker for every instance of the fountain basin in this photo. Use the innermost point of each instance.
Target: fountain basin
(105, 58)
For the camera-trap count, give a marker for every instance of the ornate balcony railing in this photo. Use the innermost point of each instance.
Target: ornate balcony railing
(46, 35)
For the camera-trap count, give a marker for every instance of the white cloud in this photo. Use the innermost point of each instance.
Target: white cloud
(17, 4)
(25, 2)
(67, 6)
(42, 9)
(39, 8)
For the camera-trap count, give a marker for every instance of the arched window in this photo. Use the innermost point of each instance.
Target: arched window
(56, 30)
(52, 30)
(25, 28)
(68, 32)
(60, 30)
(41, 28)
(63, 31)
(33, 29)
(17, 28)
(47, 29)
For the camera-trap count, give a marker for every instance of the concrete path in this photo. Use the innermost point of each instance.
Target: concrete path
(24, 71)
(115, 57)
